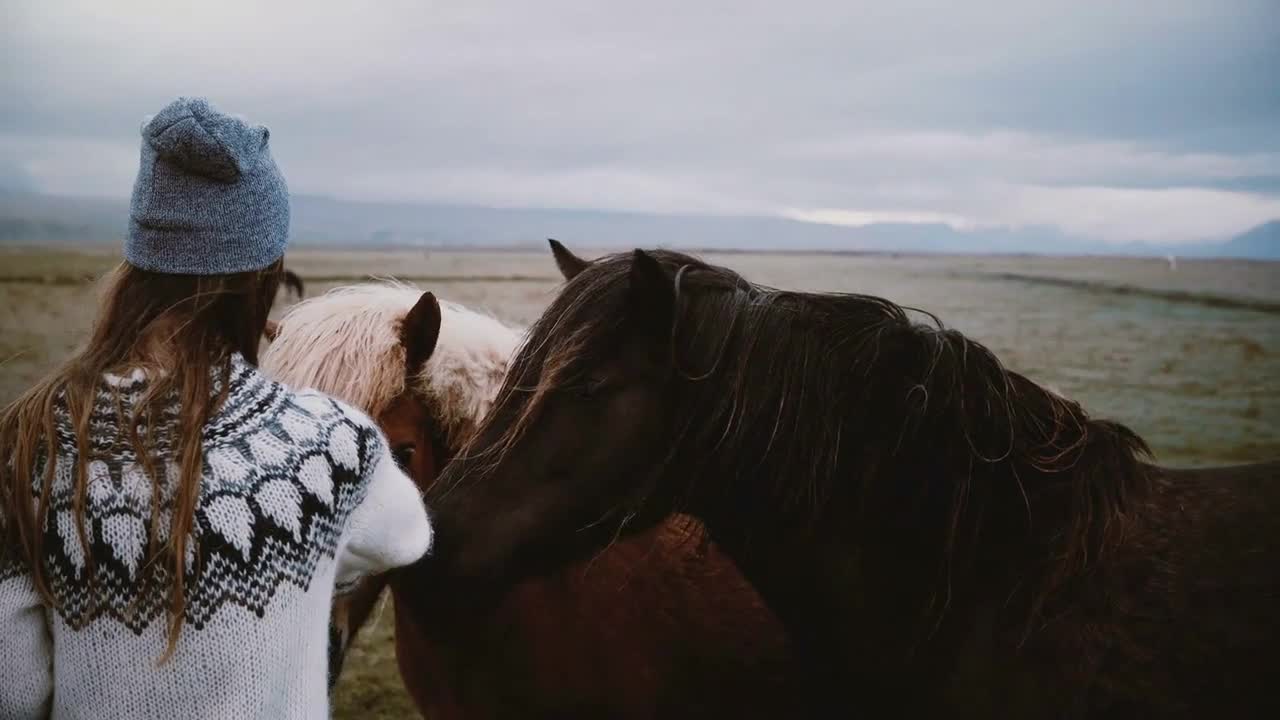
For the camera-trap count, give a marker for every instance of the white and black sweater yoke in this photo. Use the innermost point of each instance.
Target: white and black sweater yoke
(299, 494)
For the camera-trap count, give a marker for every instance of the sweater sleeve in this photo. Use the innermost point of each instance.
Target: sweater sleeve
(390, 528)
(26, 664)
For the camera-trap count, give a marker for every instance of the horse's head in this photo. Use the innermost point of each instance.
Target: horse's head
(391, 394)
(407, 419)
(424, 370)
(573, 449)
(416, 443)
(368, 345)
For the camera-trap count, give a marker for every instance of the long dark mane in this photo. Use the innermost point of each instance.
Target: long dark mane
(806, 401)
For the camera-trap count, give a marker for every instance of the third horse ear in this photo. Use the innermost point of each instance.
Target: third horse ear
(294, 282)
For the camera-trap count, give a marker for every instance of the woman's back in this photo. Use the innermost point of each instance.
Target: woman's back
(283, 472)
(175, 523)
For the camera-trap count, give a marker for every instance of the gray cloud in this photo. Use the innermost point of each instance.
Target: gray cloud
(998, 112)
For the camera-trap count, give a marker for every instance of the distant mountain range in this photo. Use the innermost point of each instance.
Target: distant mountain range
(31, 218)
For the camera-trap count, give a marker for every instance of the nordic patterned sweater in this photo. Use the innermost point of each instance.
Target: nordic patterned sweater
(299, 492)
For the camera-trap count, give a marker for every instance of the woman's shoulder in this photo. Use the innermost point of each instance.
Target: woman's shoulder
(344, 424)
(255, 400)
(328, 407)
(297, 431)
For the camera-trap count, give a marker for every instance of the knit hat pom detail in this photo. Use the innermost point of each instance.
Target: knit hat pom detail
(191, 134)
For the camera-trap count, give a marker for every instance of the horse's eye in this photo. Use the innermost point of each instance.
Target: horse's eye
(403, 455)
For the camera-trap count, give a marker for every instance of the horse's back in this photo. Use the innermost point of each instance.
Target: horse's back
(1206, 618)
(1260, 475)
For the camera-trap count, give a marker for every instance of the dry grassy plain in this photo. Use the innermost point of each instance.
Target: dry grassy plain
(1189, 358)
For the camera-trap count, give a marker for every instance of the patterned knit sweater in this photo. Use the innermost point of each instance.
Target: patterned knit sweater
(299, 493)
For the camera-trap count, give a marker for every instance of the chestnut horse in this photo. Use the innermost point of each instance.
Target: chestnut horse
(940, 536)
(659, 625)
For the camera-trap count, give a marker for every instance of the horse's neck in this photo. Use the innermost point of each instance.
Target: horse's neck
(855, 616)
(803, 576)
(877, 608)
(787, 577)
(1018, 634)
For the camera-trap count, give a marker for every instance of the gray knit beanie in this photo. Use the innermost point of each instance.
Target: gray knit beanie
(209, 199)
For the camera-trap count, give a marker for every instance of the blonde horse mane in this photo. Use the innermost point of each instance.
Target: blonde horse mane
(346, 343)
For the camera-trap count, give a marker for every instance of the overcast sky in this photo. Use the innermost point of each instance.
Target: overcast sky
(1117, 120)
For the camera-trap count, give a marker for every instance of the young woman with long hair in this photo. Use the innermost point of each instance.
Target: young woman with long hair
(175, 523)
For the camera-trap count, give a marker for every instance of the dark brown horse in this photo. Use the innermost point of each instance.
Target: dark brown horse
(941, 536)
(657, 626)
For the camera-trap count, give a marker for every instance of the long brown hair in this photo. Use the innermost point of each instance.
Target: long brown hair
(182, 331)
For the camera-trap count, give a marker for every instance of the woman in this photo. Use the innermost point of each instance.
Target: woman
(175, 523)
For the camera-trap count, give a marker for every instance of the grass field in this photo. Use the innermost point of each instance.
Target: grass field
(1188, 358)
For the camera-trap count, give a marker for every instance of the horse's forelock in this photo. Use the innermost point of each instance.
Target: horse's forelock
(346, 343)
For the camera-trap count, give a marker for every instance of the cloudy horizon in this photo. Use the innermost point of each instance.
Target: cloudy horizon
(1100, 120)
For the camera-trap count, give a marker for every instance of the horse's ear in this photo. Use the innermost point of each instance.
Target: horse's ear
(570, 265)
(419, 332)
(293, 281)
(653, 292)
(271, 330)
